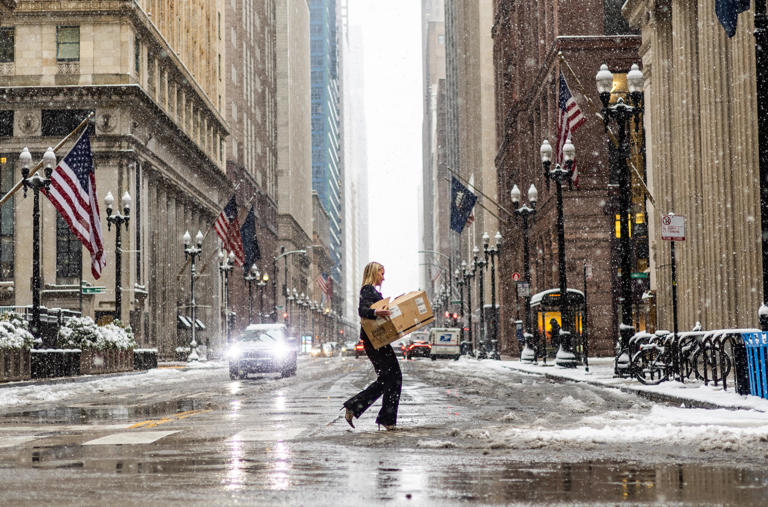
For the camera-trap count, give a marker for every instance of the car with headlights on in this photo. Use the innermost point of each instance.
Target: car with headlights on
(418, 348)
(348, 349)
(263, 348)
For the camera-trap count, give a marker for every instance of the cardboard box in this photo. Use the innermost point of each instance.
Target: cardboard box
(410, 312)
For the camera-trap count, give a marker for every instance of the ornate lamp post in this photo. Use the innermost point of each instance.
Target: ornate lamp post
(490, 253)
(469, 274)
(36, 182)
(460, 284)
(191, 253)
(565, 357)
(478, 263)
(622, 113)
(250, 277)
(118, 220)
(262, 283)
(526, 215)
(226, 264)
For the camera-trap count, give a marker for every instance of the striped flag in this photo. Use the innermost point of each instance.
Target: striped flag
(73, 194)
(569, 118)
(228, 229)
(322, 283)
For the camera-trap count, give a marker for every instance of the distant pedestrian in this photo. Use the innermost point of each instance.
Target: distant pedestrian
(555, 334)
(389, 379)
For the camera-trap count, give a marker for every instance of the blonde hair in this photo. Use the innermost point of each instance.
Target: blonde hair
(371, 273)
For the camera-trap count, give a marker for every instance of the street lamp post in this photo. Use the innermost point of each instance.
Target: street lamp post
(622, 113)
(36, 182)
(469, 274)
(479, 263)
(526, 215)
(261, 284)
(191, 253)
(118, 220)
(565, 357)
(283, 255)
(490, 253)
(250, 277)
(226, 264)
(460, 284)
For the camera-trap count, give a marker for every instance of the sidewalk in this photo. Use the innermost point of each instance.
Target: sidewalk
(690, 394)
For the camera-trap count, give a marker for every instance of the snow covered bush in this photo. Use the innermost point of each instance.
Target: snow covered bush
(83, 333)
(13, 332)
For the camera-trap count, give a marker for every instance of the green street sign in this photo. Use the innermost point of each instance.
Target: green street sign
(94, 290)
(635, 276)
(456, 301)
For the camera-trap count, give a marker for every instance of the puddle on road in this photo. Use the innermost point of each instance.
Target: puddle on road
(90, 415)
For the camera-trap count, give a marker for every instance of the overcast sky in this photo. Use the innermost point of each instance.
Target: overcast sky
(392, 75)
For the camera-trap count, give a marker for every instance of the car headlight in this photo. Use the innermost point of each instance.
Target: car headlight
(281, 350)
(234, 351)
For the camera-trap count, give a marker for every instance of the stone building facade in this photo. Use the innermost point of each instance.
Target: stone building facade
(527, 38)
(150, 71)
(250, 75)
(702, 159)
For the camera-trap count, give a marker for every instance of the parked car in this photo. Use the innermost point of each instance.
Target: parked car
(316, 350)
(418, 348)
(359, 349)
(262, 348)
(348, 349)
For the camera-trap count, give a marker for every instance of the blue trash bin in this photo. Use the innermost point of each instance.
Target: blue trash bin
(757, 359)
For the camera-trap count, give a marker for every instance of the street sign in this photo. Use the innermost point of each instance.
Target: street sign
(94, 290)
(455, 301)
(516, 276)
(673, 227)
(636, 276)
(588, 271)
(523, 289)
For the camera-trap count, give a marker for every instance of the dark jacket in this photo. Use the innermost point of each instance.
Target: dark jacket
(368, 296)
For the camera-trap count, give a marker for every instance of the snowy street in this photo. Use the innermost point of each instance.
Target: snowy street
(468, 432)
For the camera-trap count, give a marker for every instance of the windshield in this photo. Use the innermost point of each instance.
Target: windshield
(267, 336)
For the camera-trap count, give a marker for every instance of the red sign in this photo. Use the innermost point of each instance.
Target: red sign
(516, 276)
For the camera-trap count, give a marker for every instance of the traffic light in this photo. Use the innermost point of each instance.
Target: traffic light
(455, 318)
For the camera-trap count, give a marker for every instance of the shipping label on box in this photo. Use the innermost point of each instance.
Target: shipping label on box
(409, 312)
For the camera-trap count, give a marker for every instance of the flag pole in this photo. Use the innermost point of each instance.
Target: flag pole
(611, 135)
(479, 203)
(37, 166)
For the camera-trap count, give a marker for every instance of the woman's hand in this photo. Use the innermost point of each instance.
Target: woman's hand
(382, 312)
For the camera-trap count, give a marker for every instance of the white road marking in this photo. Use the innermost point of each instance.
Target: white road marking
(15, 440)
(47, 428)
(257, 435)
(131, 438)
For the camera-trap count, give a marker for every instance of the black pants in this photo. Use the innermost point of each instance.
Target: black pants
(388, 383)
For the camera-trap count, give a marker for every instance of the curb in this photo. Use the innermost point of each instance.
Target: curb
(650, 395)
(66, 380)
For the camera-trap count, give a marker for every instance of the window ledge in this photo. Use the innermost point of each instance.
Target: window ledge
(68, 67)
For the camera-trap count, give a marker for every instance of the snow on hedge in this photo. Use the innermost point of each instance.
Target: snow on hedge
(13, 332)
(83, 333)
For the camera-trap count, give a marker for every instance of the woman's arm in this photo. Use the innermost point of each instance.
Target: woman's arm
(368, 296)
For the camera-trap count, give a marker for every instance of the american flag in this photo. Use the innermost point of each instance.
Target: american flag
(73, 194)
(323, 283)
(569, 119)
(228, 228)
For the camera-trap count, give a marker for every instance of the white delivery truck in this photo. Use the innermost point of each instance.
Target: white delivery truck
(445, 342)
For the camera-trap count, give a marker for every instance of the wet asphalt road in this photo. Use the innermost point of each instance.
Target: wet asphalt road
(466, 435)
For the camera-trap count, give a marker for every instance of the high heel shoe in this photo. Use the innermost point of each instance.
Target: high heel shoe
(348, 415)
(388, 427)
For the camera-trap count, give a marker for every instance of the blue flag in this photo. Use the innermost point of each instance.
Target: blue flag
(728, 11)
(462, 202)
(250, 243)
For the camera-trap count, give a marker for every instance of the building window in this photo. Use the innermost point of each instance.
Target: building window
(68, 43)
(60, 122)
(6, 217)
(136, 56)
(6, 123)
(69, 254)
(137, 219)
(614, 22)
(6, 45)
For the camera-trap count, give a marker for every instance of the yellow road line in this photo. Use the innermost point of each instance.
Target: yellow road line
(151, 423)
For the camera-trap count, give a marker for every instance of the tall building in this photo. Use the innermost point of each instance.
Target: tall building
(572, 38)
(356, 240)
(326, 108)
(295, 220)
(701, 123)
(251, 81)
(434, 233)
(151, 71)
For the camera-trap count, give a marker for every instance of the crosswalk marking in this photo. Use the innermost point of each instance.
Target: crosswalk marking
(130, 438)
